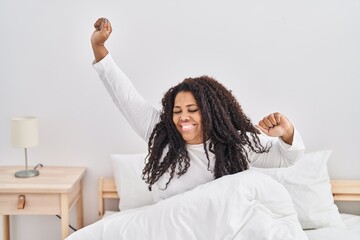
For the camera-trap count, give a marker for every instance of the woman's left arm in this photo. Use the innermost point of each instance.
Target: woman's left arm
(286, 143)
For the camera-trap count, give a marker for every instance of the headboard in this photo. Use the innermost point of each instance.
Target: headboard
(107, 190)
(343, 190)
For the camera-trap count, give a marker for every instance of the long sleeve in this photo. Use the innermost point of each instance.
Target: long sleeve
(280, 154)
(141, 115)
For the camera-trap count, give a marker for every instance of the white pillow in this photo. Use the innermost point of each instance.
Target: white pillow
(127, 170)
(308, 183)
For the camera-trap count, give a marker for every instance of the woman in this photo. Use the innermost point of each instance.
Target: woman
(200, 134)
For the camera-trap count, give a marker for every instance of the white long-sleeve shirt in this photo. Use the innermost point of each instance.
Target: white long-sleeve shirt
(143, 117)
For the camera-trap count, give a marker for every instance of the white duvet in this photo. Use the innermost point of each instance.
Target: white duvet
(246, 205)
(351, 232)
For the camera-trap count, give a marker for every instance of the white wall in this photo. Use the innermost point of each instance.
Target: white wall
(301, 58)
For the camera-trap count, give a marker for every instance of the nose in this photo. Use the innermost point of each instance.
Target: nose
(184, 118)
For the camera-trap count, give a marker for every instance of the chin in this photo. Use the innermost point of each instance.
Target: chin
(192, 141)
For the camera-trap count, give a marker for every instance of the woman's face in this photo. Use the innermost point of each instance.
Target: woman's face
(187, 118)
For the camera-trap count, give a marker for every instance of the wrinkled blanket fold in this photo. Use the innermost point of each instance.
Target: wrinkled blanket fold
(246, 205)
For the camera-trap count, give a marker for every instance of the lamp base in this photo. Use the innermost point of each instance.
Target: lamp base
(26, 173)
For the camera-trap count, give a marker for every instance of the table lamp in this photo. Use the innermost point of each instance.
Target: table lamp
(24, 134)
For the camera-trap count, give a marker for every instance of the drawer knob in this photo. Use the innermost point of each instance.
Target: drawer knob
(21, 202)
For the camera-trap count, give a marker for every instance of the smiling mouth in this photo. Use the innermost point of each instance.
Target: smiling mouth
(187, 127)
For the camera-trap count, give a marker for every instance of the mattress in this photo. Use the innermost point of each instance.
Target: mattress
(352, 231)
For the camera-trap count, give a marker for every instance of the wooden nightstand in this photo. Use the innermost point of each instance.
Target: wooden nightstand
(53, 192)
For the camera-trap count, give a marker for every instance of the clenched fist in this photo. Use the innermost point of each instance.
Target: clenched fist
(277, 125)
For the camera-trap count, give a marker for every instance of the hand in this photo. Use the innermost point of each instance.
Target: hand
(101, 33)
(277, 125)
(98, 38)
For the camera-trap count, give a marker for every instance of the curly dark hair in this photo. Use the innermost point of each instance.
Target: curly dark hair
(225, 128)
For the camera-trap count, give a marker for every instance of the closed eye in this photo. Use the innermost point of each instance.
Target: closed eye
(193, 110)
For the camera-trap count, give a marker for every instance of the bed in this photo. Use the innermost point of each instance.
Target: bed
(291, 203)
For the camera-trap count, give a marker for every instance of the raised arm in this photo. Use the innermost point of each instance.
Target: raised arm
(286, 143)
(141, 115)
(98, 38)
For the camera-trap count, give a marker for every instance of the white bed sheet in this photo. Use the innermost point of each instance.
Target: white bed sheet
(352, 231)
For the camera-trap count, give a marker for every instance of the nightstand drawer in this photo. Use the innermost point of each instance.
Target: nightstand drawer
(35, 203)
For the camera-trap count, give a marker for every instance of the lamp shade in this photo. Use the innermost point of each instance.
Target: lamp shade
(24, 132)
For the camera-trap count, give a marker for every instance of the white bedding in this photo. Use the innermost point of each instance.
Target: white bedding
(246, 205)
(352, 231)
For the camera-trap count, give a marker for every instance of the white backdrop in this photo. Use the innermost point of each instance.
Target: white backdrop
(301, 58)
